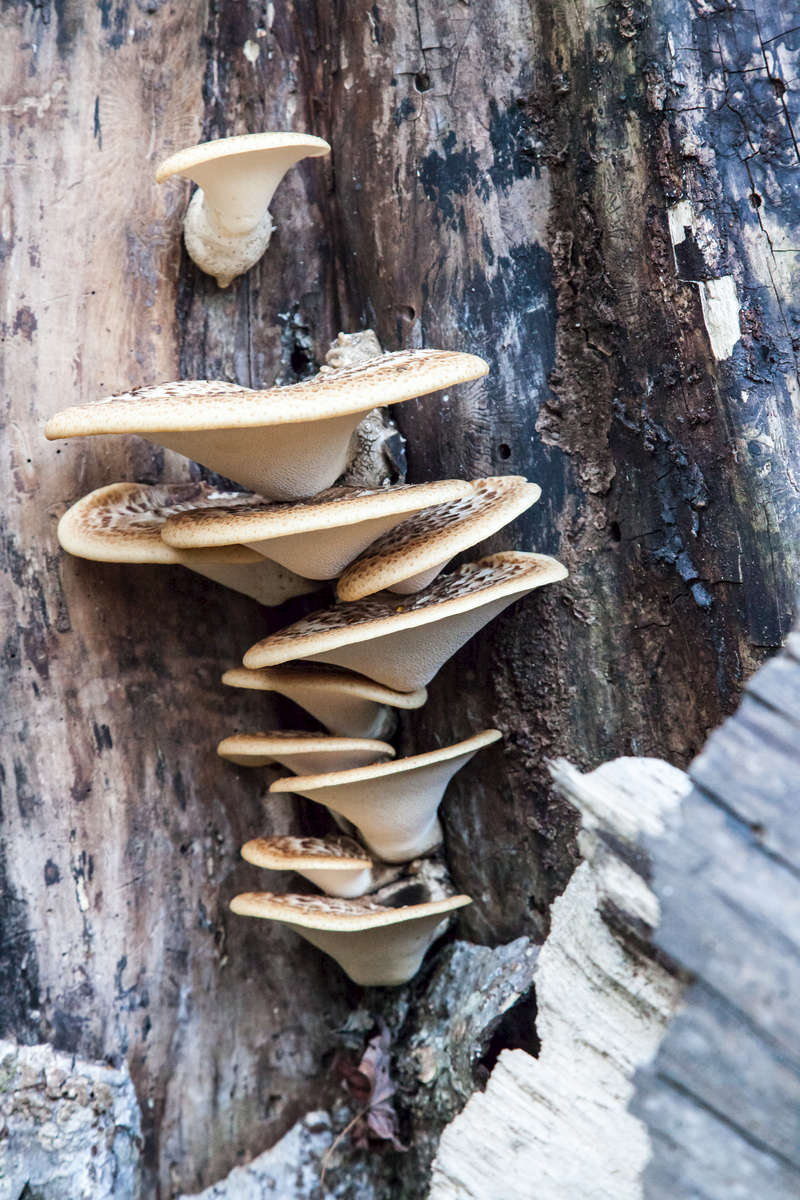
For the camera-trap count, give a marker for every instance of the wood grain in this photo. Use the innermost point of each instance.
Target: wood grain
(507, 180)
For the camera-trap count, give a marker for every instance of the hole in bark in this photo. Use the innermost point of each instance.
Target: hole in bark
(422, 81)
(301, 360)
(415, 893)
(409, 312)
(756, 200)
(614, 530)
(504, 450)
(516, 1030)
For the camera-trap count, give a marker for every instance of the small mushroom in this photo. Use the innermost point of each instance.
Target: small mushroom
(228, 226)
(122, 523)
(394, 805)
(347, 704)
(302, 752)
(375, 945)
(412, 554)
(338, 866)
(318, 536)
(283, 443)
(402, 642)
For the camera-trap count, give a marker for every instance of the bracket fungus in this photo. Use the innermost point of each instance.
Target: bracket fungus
(283, 443)
(347, 704)
(228, 226)
(393, 805)
(302, 752)
(375, 945)
(338, 866)
(122, 523)
(412, 554)
(402, 642)
(317, 537)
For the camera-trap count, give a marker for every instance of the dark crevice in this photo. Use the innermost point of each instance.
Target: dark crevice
(516, 1030)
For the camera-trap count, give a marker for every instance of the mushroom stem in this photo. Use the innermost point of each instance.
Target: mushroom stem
(373, 960)
(345, 884)
(220, 251)
(272, 460)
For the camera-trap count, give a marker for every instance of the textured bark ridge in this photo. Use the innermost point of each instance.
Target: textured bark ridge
(600, 199)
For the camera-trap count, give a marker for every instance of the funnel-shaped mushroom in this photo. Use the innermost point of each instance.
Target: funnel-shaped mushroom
(393, 805)
(402, 642)
(122, 523)
(227, 226)
(410, 557)
(318, 537)
(283, 443)
(338, 866)
(374, 945)
(302, 752)
(344, 703)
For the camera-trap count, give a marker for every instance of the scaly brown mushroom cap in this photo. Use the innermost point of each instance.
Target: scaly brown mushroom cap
(393, 805)
(337, 915)
(376, 946)
(363, 636)
(338, 866)
(204, 405)
(123, 521)
(288, 853)
(282, 443)
(323, 680)
(346, 704)
(262, 520)
(415, 762)
(299, 751)
(409, 557)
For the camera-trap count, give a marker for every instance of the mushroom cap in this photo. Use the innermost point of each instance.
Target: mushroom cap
(415, 762)
(192, 161)
(264, 520)
(288, 853)
(337, 915)
(300, 750)
(395, 810)
(375, 945)
(203, 405)
(466, 599)
(346, 704)
(429, 539)
(122, 522)
(321, 679)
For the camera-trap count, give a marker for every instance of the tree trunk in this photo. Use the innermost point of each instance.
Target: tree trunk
(598, 198)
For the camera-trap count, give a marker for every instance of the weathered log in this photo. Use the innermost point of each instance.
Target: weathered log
(589, 195)
(698, 895)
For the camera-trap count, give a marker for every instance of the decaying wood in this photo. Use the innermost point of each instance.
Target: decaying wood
(596, 197)
(700, 890)
(557, 1125)
(722, 1097)
(121, 826)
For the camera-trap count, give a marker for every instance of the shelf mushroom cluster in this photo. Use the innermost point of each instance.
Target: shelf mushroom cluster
(396, 619)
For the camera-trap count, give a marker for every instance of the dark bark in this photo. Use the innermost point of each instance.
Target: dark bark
(501, 182)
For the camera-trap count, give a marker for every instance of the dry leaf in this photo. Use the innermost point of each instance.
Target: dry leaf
(371, 1087)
